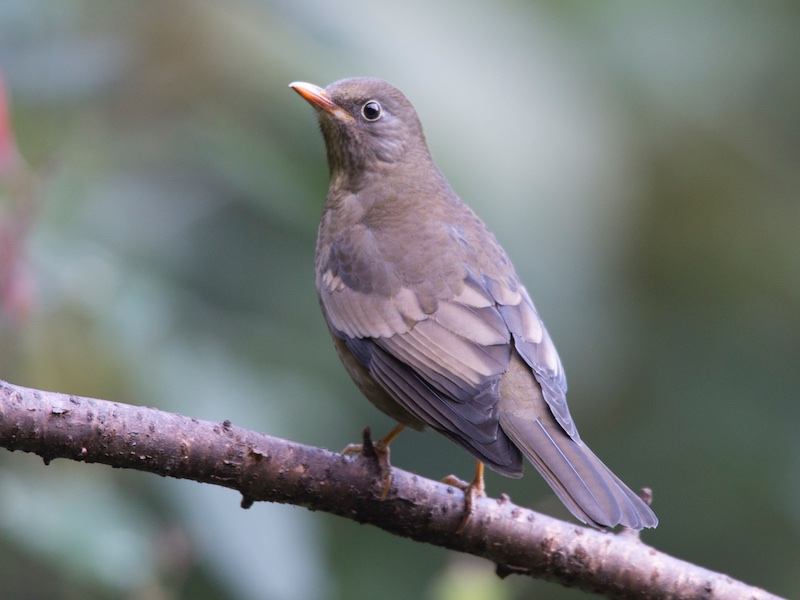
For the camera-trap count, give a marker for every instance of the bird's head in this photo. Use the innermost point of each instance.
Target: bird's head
(367, 124)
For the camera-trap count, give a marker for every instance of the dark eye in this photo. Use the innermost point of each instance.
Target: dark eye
(371, 111)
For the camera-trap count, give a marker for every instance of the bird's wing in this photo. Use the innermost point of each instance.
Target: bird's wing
(440, 353)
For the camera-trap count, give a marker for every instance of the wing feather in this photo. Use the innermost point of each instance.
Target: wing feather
(440, 347)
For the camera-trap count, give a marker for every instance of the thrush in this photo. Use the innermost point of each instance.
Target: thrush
(428, 314)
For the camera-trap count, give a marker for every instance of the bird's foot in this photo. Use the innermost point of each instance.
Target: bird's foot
(378, 452)
(472, 491)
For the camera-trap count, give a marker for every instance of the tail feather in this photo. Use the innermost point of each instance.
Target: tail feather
(583, 483)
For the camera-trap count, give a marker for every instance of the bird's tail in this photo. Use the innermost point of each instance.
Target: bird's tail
(583, 483)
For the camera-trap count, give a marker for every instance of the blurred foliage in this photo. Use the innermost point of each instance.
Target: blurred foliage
(637, 160)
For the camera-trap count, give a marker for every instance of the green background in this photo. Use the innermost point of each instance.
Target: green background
(638, 161)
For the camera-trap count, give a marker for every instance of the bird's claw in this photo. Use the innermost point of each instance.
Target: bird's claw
(472, 491)
(456, 482)
(378, 452)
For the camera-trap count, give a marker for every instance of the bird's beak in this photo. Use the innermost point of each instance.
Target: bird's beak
(317, 98)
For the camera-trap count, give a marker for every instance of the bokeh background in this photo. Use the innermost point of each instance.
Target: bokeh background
(639, 162)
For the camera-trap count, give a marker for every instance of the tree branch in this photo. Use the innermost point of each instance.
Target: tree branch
(265, 468)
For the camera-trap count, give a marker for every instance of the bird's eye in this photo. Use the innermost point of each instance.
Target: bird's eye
(371, 111)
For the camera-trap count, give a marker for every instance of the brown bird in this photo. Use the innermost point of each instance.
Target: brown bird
(428, 315)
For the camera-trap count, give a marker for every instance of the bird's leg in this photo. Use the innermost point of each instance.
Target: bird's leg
(378, 451)
(472, 491)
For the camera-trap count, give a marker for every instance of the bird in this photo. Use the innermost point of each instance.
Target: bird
(429, 316)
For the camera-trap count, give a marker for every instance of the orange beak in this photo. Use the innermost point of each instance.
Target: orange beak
(314, 95)
(317, 98)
